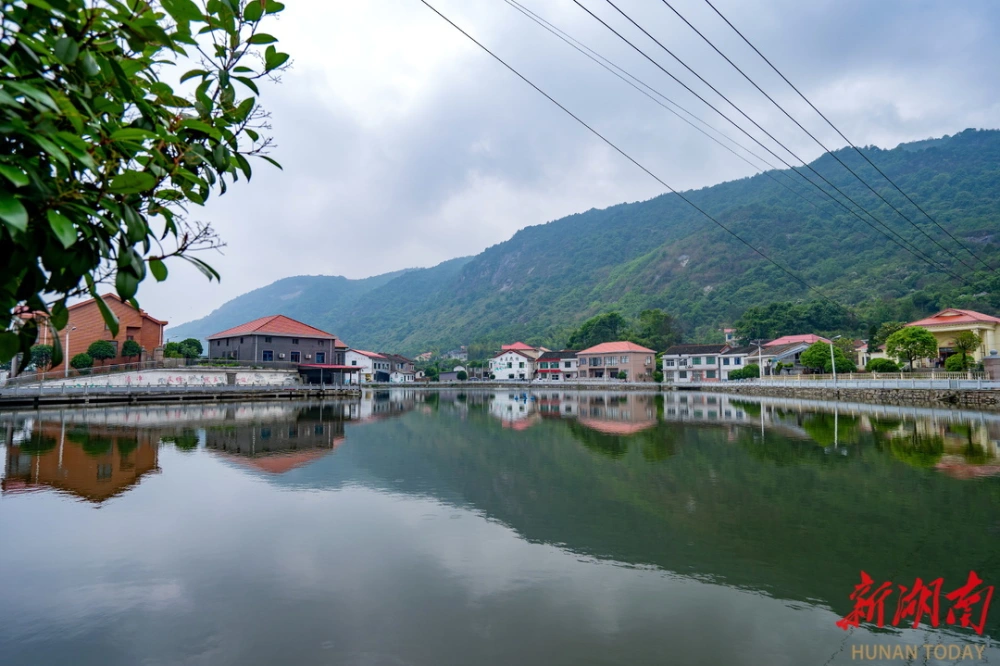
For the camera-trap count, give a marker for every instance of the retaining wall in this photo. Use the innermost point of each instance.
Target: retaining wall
(881, 396)
(192, 376)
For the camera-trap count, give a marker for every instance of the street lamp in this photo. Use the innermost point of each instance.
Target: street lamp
(66, 353)
(833, 361)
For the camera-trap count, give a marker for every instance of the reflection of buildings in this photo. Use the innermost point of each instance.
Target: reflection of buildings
(95, 463)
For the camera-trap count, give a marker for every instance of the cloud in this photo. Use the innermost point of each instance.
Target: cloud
(404, 145)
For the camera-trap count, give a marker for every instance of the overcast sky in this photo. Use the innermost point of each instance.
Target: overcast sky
(404, 145)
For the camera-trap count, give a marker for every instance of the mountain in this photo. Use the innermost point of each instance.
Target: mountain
(662, 253)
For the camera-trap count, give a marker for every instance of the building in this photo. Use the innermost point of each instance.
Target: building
(730, 335)
(734, 358)
(516, 364)
(808, 338)
(557, 366)
(318, 355)
(946, 324)
(788, 355)
(459, 354)
(423, 358)
(372, 366)
(86, 325)
(694, 363)
(401, 369)
(609, 360)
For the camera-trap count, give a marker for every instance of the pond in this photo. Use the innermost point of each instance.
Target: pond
(499, 527)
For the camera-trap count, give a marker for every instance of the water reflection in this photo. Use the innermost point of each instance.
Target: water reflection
(487, 526)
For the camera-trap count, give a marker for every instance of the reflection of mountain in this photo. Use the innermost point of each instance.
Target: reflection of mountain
(92, 463)
(692, 498)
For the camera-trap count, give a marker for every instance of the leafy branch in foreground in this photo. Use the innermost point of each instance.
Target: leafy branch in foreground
(100, 157)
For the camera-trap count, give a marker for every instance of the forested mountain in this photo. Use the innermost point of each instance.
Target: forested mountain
(663, 254)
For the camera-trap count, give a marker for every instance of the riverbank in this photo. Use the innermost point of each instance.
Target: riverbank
(978, 399)
(113, 395)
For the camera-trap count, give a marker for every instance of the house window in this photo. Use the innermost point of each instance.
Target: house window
(710, 374)
(521, 364)
(510, 365)
(227, 342)
(737, 361)
(130, 337)
(354, 362)
(725, 360)
(103, 472)
(669, 363)
(295, 341)
(267, 355)
(265, 433)
(241, 340)
(623, 360)
(709, 360)
(295, 357)
(609, 360)
(682, 374)
(567, 364)
(649, 360)
(321, 357)
(696, 360)
(267, 338)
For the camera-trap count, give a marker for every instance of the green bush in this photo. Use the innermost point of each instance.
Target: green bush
(882, 365)
(462, 375)
(82, 362)
(101, 350)
(41, 356)
(956, 363)
(131, 349)
(658, 376)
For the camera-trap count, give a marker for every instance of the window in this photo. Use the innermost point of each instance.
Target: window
(267, 355)
(103, 472)
(265, 433)
(318, 430)
(509, 364)
(609, 360)
(543, 364)
(295, 341)
(354, 362)
(696, 360)
(623, 360)
(669, 363)
(710, 374)
(130, 337)
(682, 374)
(295, 357)
(321, 357)
(267, 338)
(521, 364)
(241, 340)
(649, 360)
(567, 364)
(709, 360)
(725, 360)
(595, 361)
(737, 361)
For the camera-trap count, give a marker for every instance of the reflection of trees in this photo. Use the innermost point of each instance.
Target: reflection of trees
(613, 446)
(657, 443)
(749, 408)
(975, 454)
(93, 444)
(827, 429)
(187, 440)
(884, 424)
(917, 450)
(39, 445)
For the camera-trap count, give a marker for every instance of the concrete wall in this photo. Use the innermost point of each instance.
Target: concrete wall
(989, 399)
(184, 377)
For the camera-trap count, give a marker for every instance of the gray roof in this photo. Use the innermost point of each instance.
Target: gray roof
(555, 355)
(695, 349)
(735, 351)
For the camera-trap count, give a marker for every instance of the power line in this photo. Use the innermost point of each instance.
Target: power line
(611, 67)
(813, 137)
(631, 159)
(902, 242)
(849, 142)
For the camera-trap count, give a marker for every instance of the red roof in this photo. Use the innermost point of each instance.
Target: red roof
(615, 348)
(516, 351)
(25, 312)
(517, 346)
(368, 353)
(789, 339)
(953, 316)
(275, 325)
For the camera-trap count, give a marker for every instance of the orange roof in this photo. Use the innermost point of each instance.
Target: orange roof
(789, 339)
(517, 346)
(953, 316)
(368, 353)
(616, 347)
(276, 325)
(25, 312)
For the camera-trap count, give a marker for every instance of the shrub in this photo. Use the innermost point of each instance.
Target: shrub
(101, 350)
(131, 349)
(41, 356)
(82, 362)
(462, 375)
(882, 365)
(622, 375)
(955, 363)
(658, 376)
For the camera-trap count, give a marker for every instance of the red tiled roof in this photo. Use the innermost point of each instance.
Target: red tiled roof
(517, 346)
(275, 325)
(789, 339)
(953, 316)
(368, 353)
(25, 312)
(616, 347)
(516, 351)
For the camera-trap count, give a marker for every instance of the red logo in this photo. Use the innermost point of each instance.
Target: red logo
(920, 602)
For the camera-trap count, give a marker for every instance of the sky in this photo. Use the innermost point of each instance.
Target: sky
(404, 145)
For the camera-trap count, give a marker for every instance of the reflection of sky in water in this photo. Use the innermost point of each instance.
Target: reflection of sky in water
(440, 536)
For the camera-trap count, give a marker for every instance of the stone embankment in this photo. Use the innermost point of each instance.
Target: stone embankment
(979, 399)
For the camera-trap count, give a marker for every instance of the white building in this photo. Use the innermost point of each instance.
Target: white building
(513, 364)
(692, 363)
(735, 358)
(374, 367)
(555, 366)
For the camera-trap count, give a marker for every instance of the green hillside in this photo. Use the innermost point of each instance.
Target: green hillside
(661, 253)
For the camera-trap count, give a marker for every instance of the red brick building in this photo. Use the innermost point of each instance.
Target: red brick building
(89, 326)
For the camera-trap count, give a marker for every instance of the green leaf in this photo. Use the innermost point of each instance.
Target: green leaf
(182, 10)
(262, 38)
(248, 83)
(9, 345)
(253, 11)
(109, 317)
(62, 227)
(268, 159)
(66, 50)
(126, 284)
(198, 125)
(158, 269)
(131, 182)
(59, 316)
(275, 60)
(273, 7)
(90, 66)
(191, 74)
(32, 93)
(14, 175)
(132, 134)
(13, 212)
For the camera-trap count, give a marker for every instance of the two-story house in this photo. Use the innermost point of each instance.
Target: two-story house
(693, 363)
(372, 366)
(516, 364)
(617, 360)
(401, 369)
(557, 366)
(278, 338)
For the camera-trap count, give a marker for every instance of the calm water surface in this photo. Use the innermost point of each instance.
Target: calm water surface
(488, 528)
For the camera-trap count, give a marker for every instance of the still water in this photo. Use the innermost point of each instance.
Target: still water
(414, 527)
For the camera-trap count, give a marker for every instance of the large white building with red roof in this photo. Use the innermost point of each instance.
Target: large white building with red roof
(946, 324)
(611, 360)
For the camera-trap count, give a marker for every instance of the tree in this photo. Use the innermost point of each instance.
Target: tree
(883, 332)
(881, 365)
(911, 343)
(817, 357)
(194, 346)
(82, 362)
(131, 349)
(955, 363)
(622, 375)
(602, 328)
(41, 356)
(172, 350)
(100, 157)
(656, 330)
(658, 376)
(461, 375)
(966, 343)
(101, 350)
